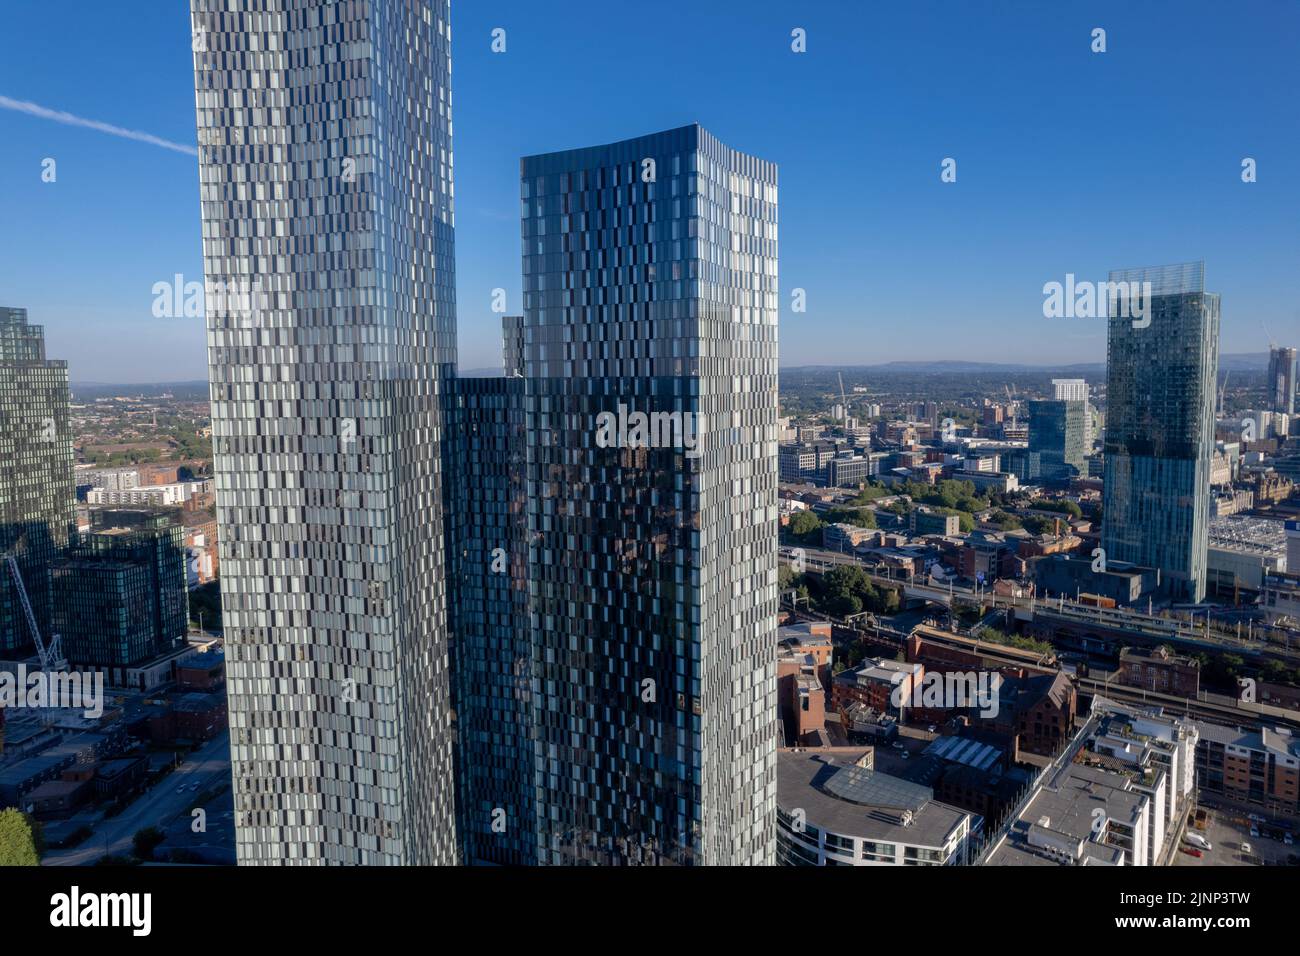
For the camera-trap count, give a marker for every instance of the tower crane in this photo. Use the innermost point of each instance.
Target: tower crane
(52, 657)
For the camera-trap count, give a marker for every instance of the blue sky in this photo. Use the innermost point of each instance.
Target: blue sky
(1067, 161)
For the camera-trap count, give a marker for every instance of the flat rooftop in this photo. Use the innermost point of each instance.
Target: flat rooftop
(839, 796)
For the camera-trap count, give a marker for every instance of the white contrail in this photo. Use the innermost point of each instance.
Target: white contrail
(33, 109)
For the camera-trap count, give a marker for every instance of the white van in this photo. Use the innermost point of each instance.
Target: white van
(1196, 840)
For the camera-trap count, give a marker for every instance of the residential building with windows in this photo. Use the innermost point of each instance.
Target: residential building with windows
(1058, 434)
(650, 286)
(834, 810)
(1161, 387)
(37, 495)
(325, 186)
(1256, 767)
(1281, 379)
(491, 656)
(120, 595)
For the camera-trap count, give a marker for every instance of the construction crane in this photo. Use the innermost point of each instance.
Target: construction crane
(52, 657)
(1012, 405)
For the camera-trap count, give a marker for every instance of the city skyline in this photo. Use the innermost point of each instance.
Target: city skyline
(1021, 214)
(524, 541)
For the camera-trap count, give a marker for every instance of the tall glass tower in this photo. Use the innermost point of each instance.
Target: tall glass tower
(1058, 433)
(650, 288)
(326, 186)
(1281, 380)
(36, 488)
(1161, 372)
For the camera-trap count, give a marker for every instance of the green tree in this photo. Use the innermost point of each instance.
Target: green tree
(1063, 506)
(1005, 522)
(785, 578)
(19, 840)
(861, 517)
(146, 841)
(842, 603)
(805, 525)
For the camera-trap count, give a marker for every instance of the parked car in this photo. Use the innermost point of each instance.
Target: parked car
(1191, 851)
(1288, 838)
(1246, 848)
(1198, 841)
(1254, 831)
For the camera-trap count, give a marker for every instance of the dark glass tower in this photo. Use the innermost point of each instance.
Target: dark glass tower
(490, 650)
(325, 168)
(119, 592)
(650, 283)
(1161, 370)
(36, 486)
(1058, 432)
(1281, 379)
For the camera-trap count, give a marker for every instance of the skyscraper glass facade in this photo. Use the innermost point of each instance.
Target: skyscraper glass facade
(326, 189)
(490, 650)
(1058, 432)
(37, 496)
(1281, 380)
(1162, 368)
(119, 592)
(650, 282)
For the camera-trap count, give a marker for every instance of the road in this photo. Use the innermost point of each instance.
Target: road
(209, 765)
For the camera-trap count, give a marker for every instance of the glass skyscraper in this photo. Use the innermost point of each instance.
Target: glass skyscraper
(36, 487)
(1281, 380)
(119, 591)
(1058, 433)
(326, 189)
(1162, 369)
(491, 655)
(650, 288)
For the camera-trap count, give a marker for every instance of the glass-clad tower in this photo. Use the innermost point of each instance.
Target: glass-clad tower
(1281, 380)
(36, 489)
(491, 654)
(650, 288)
(1161, 369)
(1058, 433)
(325, 167)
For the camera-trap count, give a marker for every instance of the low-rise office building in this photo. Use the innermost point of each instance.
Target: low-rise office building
(833, 810)
(1258, 767)
(1083, 816)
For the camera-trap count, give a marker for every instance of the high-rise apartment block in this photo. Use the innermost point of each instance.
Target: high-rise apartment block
(119, 593)
(548, 599)
(1162, 359)
(650, 299)
(1281, 380)
(37, 495)
(491, 654)
(1069, 390)
(1058, 433)
(325, 165)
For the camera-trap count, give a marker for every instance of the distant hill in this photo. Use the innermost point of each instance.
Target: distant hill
(89, 391)
(1238, 362)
